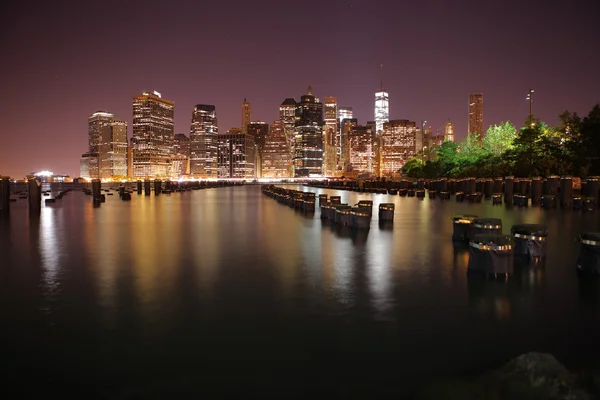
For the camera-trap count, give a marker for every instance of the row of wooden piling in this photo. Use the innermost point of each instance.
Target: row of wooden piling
(549, 192)
(331, 208)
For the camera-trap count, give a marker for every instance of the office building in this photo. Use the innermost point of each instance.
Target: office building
(449, 131)
(113, 151)
(308, 138)
(88, 166)
(476, 114)
(236, 156)
(346, 126)
(96, 122)
(398, 145)
(382, 109)
(258, 130)
(330, 136)
(361, 156)
(287, 114)
(276, 158)
(152, 137)
(246, 115)
(204, 142)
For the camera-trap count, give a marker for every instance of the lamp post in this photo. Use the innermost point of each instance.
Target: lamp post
(530, 98)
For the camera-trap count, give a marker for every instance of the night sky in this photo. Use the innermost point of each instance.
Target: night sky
(63, 60)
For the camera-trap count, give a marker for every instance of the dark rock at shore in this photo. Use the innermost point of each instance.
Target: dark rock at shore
(529, 376)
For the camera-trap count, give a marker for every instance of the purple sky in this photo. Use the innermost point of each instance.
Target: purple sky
(63, 60)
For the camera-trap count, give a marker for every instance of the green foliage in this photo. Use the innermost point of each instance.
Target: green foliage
(572, 148)
(499, 138)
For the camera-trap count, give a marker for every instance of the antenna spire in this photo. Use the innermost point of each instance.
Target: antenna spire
(381, 77)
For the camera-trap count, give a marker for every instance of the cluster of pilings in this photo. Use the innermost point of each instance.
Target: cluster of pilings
(331, 208)
(549, 192)
(492, 253)
(298, 200)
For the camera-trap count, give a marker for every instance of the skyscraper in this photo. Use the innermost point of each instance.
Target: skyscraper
(308, 138)
(152, 138)
(113, 150)
(96, 122)
(258, 130)
(476, 114)
(382, 108)
(236, 156)
(346, 126)
(89, 162)
(344, 113)
(181, 158)
(361, 157)
(204, 144)
(287, 114)
(449, 131)
(330, 136)
(246, 115)
(398, 145)
(276, 159)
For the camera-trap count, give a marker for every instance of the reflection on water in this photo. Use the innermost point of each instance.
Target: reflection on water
(174, 285)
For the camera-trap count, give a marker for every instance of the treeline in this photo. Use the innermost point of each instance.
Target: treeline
(572, 148)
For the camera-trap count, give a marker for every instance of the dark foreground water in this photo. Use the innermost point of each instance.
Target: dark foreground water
(226, 292)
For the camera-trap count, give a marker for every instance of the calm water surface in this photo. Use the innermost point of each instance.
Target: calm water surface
(227, 291)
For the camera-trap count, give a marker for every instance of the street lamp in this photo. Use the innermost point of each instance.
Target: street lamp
(530, 98)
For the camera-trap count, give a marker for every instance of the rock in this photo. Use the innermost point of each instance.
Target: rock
(532, 376)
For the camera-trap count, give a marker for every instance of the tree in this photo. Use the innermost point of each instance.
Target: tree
(499, 138)
(590, 139)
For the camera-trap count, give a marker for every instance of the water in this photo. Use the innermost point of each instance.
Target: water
(226, 291)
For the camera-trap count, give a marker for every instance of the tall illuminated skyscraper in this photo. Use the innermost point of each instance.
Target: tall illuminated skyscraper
(276, 159)
(112, 153)
(96, 122)
(398, 145)
(449, 131)
(308, 138)
(330, 136)
(382, 108)
(476, 114)
(246, 115)
(152, 138)
(237, 156)
(344, 113)
(258, 130)
(204, 143)
(90, 161)
(287, 114)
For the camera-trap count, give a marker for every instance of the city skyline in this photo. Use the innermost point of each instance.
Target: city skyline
(55, 56)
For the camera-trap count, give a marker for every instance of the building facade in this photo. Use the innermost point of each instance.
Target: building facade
(398, 145)
(476, 114)
(236, 156)
(246, 115)
(113, 151)
(276, 158)
(382, 109)
(449, 131)
(152, 137)
(88, 166)
(362, 156)
(287, 114)
(204, 142)
(330, 136)
(259, 131)
(308, 137)
(96, 123)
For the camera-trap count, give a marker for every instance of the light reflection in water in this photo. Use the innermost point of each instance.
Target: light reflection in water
(51, 249)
